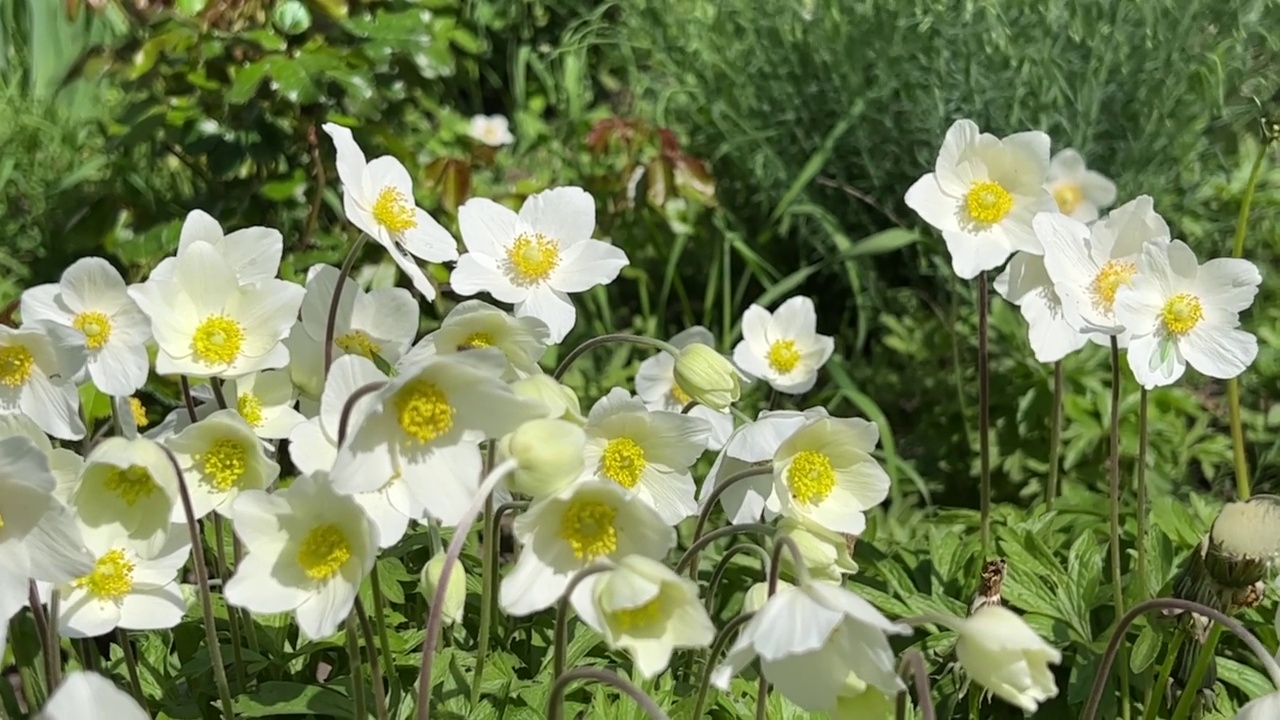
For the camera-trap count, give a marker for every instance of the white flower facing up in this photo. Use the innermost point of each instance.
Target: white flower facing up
(783, 348)
(129, 489)
(377, 196)
(253, 253)
(474, 324)
(1182, 313)
(1003, 654)
(754, 444)
(379, 323)
(492, 130)
(645, 608)
(1026, 284)
(824, 473)
(1078, 191)
(265, 401)
(309, 550)
(560, 535)
(220, 457)
(90, 696)
(537, 258)
(207, 324)
(35, 378)
(92, 299)
(982, 195)
(648, 452)
(809, 637)
(656, 386)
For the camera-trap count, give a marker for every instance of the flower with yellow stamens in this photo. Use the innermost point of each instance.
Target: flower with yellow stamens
(221, 457)
(37, 362)
(378, 323)
(474, 325)
(783, 348)
(129, 488)
(656, 386)
(825, 474)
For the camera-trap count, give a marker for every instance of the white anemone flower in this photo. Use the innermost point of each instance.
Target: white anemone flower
(265, 401)
(656, 386)
(809, 637)
(207, 324)
(824, 473)
(645, 608)
(1181, 313)
(754, 445)
(64, 463)
(128, 488)
(648, 452)
(474, 324)
(1002, 653)
(377, 197)
(492, 130)
(306, 366)
(1080, 193)
(92, 299)
(35, 377)
(562, 534)
(308, 551)
(537, 258)
(89, 696)
(1026, 284)
(982, 195)
(221, 457)
(252, 253)
(783, 348)
(379, 323)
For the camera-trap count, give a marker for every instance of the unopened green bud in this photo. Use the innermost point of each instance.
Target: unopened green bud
(560, 401)
(548, 453)
(707, 377)
(825, 553)
(455, 594)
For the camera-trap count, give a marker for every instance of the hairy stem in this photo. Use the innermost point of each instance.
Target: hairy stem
(131, 662)
(555, 706)
(357, 668)
(912, 666)
(562, 616)
(1055, 437)
(984, 412)
(1192, 689)
(375, 667)
(717, 648)
(691, 555)
(596, 342)
(1113, 471)
(332, 321)
(1141, 491)
(709, 503)
(1233, 385)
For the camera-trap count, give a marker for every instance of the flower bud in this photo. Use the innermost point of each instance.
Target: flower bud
(1003, 654)
(561, 402)
(548, 453)
(826, 553)
(1244, 542)
(707, 376)
(455, 595)
(758, 594)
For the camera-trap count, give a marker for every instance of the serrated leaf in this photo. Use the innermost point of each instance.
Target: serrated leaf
(272, 699)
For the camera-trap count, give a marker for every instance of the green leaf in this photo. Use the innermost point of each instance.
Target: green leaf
(1145, 650)
(95, 404)
(246, 83)
(287, 698)
(1251, 682)
(886, 241)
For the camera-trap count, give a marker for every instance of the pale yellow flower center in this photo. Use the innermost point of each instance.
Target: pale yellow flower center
(323, 552)
(810, 477)
(217, 340)
(475, 341)
(424, 411)
(358, 342)
(16, 363)
(131, 484)
(639, 617)
(139, 412)
(96, 327)
(623, 462)
(1181, 313)
(1110, 277)
(783, 356)
(681, 397)
(249, 406)
(225, 463)
(393, 211)
(111, 577)
(531, 259)
(987, 202)
(1068, 197)
(587, 525)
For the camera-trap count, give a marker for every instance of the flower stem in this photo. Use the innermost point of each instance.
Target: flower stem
(717, 647)
(1141, 492)
(488, 568)
(555, 705)
(709, 502)
(331, 322)
(722, 567)
(131, 662)
(1113, 467)
(1192, 689)
(913, 664)
(49, 646)
(780, 542)
(1233, 385)
(357, 668)
(595, 342)
(344, 419)
(1162, 679)
(375, 667)
(691, 555)
(984, 412)
(384, 640)
(1055, 437)
(562, 616)
(187, 399)
(233, 617)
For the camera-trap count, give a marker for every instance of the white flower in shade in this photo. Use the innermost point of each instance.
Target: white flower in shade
(1078, 191)
(656, 386)
(221, 457)
(492, 130)
(548, 454)
(92, 299)
(128, 489)
(783, 348)
(207, 324)
(35, 378)
(1266, 707)
(648, 452)
(306, 365)
(809, 637)
(1026, 284)
(425, 425)
(64, 463)
(1182, 313)
(557, 400)
(313, 447)
(130, 586)
(826, 554)
(265, 400)
(476, 324)
(309, 550)
(90, 696)
(536, 258)
(377, 196)
(562, 534)
(1003, 654)
(824, 473)
(378, 323)
(645, 608)
(131, 414)
(982, 195)
(754, 444)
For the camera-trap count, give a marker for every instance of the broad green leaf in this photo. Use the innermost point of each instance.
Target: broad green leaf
(1251, 682)
(273, 699)
(883, 242)
(1145, 650)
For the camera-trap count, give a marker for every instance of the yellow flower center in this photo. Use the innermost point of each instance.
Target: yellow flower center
(358, 342)
(623, 462)
(1110, 277)
(131, 484)
(16, 362)
(987, 202)
(139, 412)
(111, 577)
(476, 340)
(810, 477)
(531, 259)
(249, 406)
(1181, 313)
(424, 411)
(588, 527)
(639, 617)
(323, 552)
(783, 356)
(96, 327)
(681, 397)
(217, 340)
(225, 463)
(393, 211)
(1068, 197)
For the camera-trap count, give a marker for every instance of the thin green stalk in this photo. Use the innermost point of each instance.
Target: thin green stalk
(562, 616)
(709, 503)
(595, 342)
(384, 638)
(131, 662)
(332, 321)
(88, 654)
(1117, 573)
(1162, 679)
(488, 568)
(717, 647)
(555, 705)
(357, 669)
(984, 413)
(48, 638)
(1141, 492)
(691, 555)
(251, 629)
(1233, 385)
(1055, 437)
(1192, 689)
(375, 667)
(233, 618)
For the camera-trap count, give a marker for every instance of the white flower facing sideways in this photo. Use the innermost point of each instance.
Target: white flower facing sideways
(90, 696)
(647, 452)
(586, 522)
(492, 130)
(783, 348)
(265, 401)
(1181, 313)
(35, 378)
(128, 488)
(377, 197)
(379, 322)
(207, 324)
(1026, 284)
(92, 299)
(221, 457)
(824, 473)
(253, 253)
(64, 463)
(1078, 191)
(1003, 654)
(475, 324)
(308, 551)
(656, 386)
(536, 258)
(982, 195)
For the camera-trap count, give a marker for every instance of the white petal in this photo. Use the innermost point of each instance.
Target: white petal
(1218, 351)
(487, 228)
(84, 616)
(157, 609)
(256, 587)
(587, 264)
(445, 481)
(90, 696)
(551, 307)
(411, 270)
(320, 614)
(1229, 283)
(199, 226)
(972, 254)
(92, 283)
(1155, 361)
(476, 273)
(429, 241)
(530, 586)
(350, 158)
(959, 141)
(567, 214)
(934, 206)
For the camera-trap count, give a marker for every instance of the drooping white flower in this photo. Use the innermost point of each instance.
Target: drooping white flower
(754, 444)
(809, 637)
(90, 696)
(252, 253)
(131, 414)
(91, 298)
(549, 455)
(1182, 313)
(1002, 653)
(1078, 191)
(221, 457)
(306, 366)
(645, 608)
(476, 324)
(564, 533)
(308, 551)
(377, 196)
(536, 258)
(783, 348)
(378, 323)
(1026, 284)
(982, 195)
(648, 452)
(825, 474)
(492, 130)
(826, 554)
(207, 324)
(35, 377)
(656, 386)
(128, 489)
(859, 701)
(64, 463)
